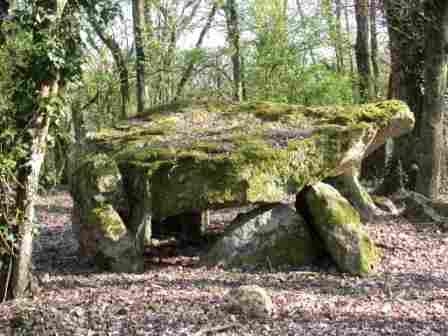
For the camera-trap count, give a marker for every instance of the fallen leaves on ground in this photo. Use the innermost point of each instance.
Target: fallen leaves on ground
(407, 296)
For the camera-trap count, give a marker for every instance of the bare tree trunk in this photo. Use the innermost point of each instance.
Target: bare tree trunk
(234, 40)
(28, 183)
(303, 17)
(339, 37)
(119, 58)
(373, 166)
(350, 49)
(374, 46)
(362, 49)
(190, 67)
(334, 29)
(138, 13)
(436, 63)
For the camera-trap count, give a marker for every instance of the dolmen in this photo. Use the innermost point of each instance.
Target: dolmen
(297, 167)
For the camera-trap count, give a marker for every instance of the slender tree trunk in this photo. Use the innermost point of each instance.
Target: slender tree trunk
(119, 59)
(190, 67)
(234, 40)
(243, 79)
(4, 9)
(334, 30)
(138, 13)
(350, 49)
(303, 17)
(362, 49)
(436, 63)
(339, 37)
(374, 46)
(373, 166)
(28, 183)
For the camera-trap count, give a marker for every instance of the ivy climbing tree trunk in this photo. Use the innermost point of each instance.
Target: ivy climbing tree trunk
(362, 49)
(53, 26)
(436, 63)
(36, 123)
(28, 172)
(138, 13)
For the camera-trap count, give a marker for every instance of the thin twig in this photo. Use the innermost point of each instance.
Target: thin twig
(216, 329)
(268, 260)
(389, 247)
(8, 279)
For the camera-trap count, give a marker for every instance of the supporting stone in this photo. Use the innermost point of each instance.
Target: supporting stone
(101, 216)
(351, 188)
(339, 225)
(269, 236)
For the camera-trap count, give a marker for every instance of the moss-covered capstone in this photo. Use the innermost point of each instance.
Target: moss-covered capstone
(210, 155)
(186, 158)
(339, 226)
(273, 235)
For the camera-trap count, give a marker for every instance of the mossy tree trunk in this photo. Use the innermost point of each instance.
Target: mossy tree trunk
(436, 63)
(405, 21)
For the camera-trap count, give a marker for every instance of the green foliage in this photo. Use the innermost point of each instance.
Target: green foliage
(319, 85)
(287, 62)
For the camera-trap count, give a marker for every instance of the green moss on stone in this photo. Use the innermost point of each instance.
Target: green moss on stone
(339, 225)
(107, 220)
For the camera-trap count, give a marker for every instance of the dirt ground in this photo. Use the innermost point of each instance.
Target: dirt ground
(174, 296)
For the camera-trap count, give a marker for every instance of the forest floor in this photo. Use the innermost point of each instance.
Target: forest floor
(407, 296)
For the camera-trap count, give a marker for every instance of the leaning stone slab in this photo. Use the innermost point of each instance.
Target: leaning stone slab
(339, 225)
(273, 235)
